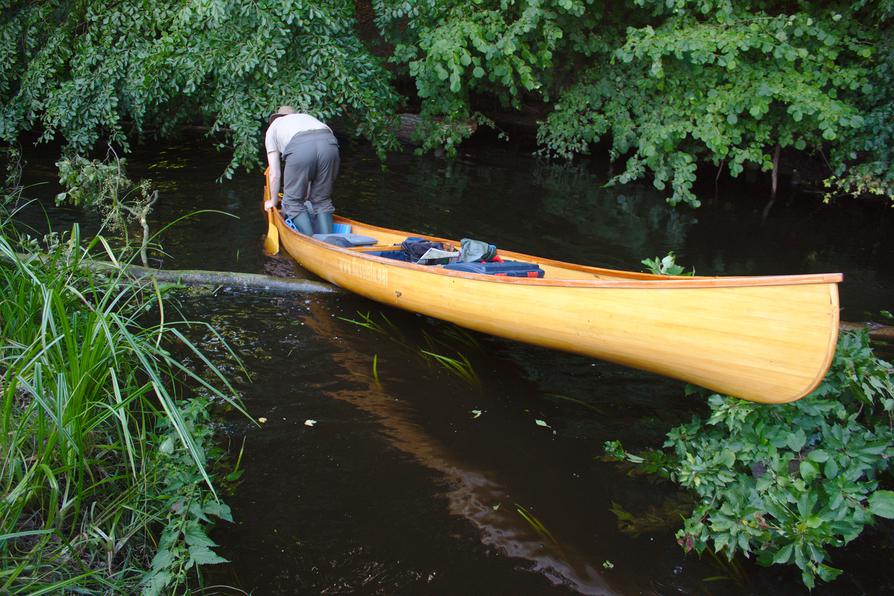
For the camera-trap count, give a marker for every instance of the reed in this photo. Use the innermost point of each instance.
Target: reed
(448, 338)
(105, 441)
(367, 321)
(536, 524)
(460, 366)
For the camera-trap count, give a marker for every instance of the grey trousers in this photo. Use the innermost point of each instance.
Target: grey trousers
(311, 167)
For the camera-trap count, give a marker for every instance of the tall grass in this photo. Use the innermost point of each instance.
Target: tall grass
(104, 437)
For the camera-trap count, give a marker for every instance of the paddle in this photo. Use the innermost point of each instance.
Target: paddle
(271, 241)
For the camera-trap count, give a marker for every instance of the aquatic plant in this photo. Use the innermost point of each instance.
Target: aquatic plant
(105, 442)
(784, 483)
(536, 524)
(666, 265)
(460, 366)
(367, 321)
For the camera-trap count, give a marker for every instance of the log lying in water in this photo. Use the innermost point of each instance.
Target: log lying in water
(242, 281)
(199, 277)
(877, 331)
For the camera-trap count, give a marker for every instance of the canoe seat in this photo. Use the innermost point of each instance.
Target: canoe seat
(346, 240)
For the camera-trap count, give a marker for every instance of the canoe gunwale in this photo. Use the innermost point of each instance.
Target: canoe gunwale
(636, 280)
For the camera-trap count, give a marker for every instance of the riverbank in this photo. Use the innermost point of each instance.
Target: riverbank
(107, 454)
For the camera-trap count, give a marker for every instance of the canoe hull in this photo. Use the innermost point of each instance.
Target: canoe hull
(769, 343)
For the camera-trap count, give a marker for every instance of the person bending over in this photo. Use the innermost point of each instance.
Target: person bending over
(310, 152)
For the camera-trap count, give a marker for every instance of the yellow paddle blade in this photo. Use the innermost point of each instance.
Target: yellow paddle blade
(271, 241)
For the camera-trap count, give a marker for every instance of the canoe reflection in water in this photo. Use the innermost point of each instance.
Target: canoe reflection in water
(474, 493)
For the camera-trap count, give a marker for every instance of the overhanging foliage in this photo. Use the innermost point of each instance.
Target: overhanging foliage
(95, 70)
(668, 83)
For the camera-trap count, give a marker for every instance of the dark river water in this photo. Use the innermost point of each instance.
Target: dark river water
(415, 480)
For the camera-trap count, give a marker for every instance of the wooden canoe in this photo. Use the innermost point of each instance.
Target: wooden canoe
(767, 339)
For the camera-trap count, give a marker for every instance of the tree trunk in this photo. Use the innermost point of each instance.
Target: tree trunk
(198, 277)
(774, 181)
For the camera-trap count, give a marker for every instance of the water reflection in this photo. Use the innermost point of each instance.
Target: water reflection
(474, 494)
(550, 209)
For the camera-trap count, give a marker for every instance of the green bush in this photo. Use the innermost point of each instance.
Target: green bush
(104, 433)
(666, 83)
(783, 483)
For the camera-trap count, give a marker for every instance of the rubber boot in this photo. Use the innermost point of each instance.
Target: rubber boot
(324, 222)
(302, 222)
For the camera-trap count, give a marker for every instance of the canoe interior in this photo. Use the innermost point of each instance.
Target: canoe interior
(558, 271)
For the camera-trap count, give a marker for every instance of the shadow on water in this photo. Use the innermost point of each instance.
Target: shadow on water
(474, 494)
(402, 487)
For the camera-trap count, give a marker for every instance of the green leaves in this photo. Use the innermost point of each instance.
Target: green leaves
(725, 88)
(787, 482)
(881, 503)
(454, 49)
(202, 555)
(97, 71)
(668, 83)
(796, 440)
(809, 470)
(94, 392)
(784, 554)
(666, 265)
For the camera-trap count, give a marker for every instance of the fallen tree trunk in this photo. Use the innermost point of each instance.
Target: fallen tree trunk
(199, 277)
(876, 330)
